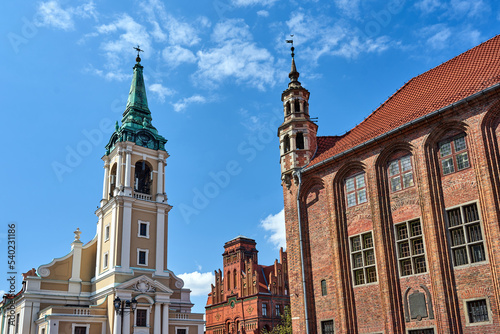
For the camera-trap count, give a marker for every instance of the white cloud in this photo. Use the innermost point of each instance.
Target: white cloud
(349, 7)
(176, 55)
(107, 74)
(235, 56)
(185, 102)
(437, 36)
(51, 14)
(469, 8)
(161, 91)
(323, 37)
(199, 283)
(263, 13)
(130, 33)
(245, 3)
(428, 6)
(275, 224)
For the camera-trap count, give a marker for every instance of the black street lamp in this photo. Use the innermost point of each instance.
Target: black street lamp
(124, 306)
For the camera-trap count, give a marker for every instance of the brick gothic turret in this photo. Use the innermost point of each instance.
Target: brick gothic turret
(297, 133)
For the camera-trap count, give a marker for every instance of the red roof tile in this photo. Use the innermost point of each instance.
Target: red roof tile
(452, 81)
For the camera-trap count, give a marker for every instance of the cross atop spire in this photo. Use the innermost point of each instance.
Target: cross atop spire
(138, 49)
(294, 75)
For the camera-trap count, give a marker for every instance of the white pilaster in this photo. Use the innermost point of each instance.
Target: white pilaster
(160, 241)
(126, 235)
(35, 309)
(105, 183)
(165, 319)
(157, 324)
(99, 239)
(126, 323)
(112, 238)
(128, 169)
(75, 280)
(119, 183)
(118, 324)
(159, 182)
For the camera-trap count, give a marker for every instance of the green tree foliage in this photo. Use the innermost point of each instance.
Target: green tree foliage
(285, 325)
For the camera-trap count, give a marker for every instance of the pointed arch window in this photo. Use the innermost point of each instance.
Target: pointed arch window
(143, 178)
(228, 280)
(234, 278)
(299, 139)
(286, 144)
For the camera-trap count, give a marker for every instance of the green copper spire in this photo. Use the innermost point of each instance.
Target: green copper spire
(137, 96)
(136, 122)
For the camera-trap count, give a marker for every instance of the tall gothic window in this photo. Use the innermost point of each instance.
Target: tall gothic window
(355, 188)
(410, 248)
(363, 259)
(454, 155)
(466, 236)
(143, 177)
(401, 173)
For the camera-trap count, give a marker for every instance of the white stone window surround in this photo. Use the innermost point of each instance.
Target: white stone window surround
(466, 310)
(139, 222)
(74, 325)
(106, 232)
(186, 328)
(139, 250)
(105, 260)
(142, 329)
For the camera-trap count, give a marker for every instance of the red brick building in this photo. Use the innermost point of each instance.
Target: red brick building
(394, 226)
(247, 297)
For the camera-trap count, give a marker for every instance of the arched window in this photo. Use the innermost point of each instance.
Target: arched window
(300, 141)
(323, 288)
(143, 178)
(287, 108)
(234, 279)
(401, 173)
(297, 106)
(286, 143)
(228, 280)
(112, 181)
(355, 189)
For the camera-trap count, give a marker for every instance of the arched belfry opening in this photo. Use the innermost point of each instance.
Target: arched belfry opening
(287, 108)
(143, 177)
(112, 181)
(297, 106)
(286, 144)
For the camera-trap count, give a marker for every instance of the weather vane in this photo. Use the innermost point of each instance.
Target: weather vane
(291, 42)
(138, 49)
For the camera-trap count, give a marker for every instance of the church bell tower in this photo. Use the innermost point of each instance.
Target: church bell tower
(297, 133)
(133, 215)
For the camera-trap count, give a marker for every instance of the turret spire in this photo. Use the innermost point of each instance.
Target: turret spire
(294, 75)
(137, 95)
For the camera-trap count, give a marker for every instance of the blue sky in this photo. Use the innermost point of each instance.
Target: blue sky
(214, 73)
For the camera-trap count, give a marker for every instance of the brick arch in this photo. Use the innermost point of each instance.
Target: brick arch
(446, 281)
(308, 185)
(346, 305)
(392, 297)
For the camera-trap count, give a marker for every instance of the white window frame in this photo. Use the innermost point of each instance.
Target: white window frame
(147, 256)
(74, 325)
(139, 229)
(362, 251)
(186, 328)
(105, 260)
(106, 232)
(148, 316)
(466, 311)
(409, 240)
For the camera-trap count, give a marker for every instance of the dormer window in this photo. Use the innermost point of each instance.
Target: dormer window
(143, 178)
